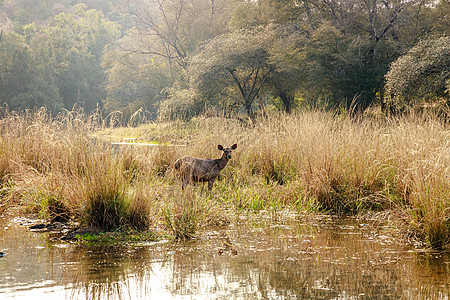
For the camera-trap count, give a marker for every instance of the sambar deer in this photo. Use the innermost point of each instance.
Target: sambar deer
(194, 169)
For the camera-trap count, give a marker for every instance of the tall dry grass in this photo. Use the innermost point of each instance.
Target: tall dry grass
(310, 160)
(53, 167)
(340, 164)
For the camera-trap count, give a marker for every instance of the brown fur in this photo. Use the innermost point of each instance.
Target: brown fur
(195, 169)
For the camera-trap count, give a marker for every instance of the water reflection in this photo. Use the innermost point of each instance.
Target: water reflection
(318, 260)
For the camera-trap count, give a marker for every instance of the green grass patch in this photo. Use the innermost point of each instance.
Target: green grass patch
(118, 238)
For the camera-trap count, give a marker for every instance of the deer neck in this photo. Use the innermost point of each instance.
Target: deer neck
(222, 162)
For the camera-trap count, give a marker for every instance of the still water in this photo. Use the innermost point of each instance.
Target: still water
(296, 259)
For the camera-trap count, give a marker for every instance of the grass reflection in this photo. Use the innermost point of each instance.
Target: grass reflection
(342, 261)
(312, 259)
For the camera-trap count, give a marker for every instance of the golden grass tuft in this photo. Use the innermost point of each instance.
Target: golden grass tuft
(186, 213)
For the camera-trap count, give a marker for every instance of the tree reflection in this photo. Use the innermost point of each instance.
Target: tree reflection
(336, 259)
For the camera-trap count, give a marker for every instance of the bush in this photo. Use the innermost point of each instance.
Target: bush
(421, 74)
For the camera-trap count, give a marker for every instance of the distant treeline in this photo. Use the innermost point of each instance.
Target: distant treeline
(179, 58)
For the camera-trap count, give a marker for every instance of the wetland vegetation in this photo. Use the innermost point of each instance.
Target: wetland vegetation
(339, 186)
(297, 256)
(65, 168)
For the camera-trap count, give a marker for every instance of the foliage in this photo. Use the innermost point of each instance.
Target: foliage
(134, 81)
(421, 74)
(345, 68)
(76, 67)
(23, 83)
(181, 104)
(166, 55)
(233, 66)
(57, 65)
(24, 12)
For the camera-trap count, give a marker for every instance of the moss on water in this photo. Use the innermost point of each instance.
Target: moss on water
(118, 238)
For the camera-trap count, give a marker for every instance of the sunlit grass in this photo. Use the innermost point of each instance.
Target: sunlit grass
(309, 161)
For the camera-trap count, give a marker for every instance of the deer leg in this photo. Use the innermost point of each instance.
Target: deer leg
(211, 182)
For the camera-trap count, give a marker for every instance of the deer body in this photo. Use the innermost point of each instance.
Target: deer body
(192, 169)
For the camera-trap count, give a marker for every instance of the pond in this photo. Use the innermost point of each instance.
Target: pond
(299, 258)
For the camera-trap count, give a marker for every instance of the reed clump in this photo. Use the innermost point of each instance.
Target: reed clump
(104, 189)
(53, 167)
(184, 214)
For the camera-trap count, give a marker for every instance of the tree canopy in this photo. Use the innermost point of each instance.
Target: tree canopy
(234, 66)
(422, 74)
(181, 57)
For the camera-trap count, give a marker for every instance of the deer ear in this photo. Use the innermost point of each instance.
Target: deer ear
(220, 147)
(234, 146)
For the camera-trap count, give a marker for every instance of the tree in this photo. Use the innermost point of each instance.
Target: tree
(440, 19)
(71, 49)
(173, 29)
(343, 48)
(422, 74)
(284, 86)
(134, 80)
(150, 62)
(236, 63)
(23, 84)
(181, 103)
(289, 75)
(349, 48)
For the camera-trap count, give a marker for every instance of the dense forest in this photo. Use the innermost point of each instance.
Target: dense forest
(180, 58)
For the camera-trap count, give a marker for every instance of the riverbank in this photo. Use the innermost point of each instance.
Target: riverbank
(309, 161)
